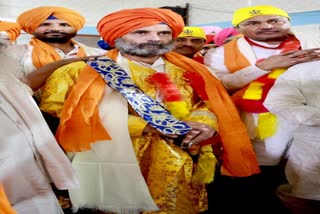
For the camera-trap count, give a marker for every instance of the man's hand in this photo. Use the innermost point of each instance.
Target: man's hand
(288, 59)
(198, 133)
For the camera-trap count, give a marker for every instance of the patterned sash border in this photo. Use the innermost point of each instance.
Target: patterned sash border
(146, 107)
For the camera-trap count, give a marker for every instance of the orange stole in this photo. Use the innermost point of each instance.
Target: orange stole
(43, 53)
(5, 207)
(239, 159)
(251, 97)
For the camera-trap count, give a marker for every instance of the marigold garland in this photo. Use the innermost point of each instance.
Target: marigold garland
(170, 95)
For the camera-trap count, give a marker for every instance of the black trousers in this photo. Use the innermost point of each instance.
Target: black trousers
(253, 194)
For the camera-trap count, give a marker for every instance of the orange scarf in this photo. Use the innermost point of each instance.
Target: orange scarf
(251, 97)
(238, 158)
(5, 207)
(43, 53)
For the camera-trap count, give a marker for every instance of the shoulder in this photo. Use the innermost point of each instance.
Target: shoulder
(92, 50)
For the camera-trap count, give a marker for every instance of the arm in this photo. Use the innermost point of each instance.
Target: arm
(38, 78)
(232, 81)
(287, 100)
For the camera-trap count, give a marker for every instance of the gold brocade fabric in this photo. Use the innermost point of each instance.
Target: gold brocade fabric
(166, 167)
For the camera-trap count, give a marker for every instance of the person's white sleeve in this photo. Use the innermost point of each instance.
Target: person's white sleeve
(232, 81)
(286, 100)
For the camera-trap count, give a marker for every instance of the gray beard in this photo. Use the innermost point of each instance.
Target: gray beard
(143, 49)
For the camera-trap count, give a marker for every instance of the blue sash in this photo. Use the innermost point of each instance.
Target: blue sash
(146, 107)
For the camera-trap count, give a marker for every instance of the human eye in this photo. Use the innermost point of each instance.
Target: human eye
(44, 24)
(164, 33)
(65, 25)
(251, 24)
(197, 41)
(277, 21)
(140, 32)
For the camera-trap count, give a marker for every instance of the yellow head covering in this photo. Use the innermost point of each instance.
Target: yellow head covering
(245, 13)
(193, 31)
(31, 19)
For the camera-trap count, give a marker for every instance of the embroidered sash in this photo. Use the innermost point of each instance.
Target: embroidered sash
(147, 108)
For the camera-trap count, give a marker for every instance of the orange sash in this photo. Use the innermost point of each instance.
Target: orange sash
(43, 53)
(251, 97)
(238, 158)
(5, 207)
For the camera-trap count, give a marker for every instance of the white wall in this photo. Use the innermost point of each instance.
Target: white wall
(201, 11)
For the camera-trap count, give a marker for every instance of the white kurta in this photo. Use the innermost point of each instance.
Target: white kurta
(295, 97)
(29, 155)
(270, 150)
(23, 54)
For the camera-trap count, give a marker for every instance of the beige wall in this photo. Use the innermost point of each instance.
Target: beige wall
(201, 11)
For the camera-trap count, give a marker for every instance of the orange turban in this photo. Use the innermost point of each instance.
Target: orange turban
(11, 28)
(119, 23)
(32, 19)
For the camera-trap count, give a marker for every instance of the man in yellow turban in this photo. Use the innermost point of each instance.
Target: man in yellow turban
(30, 157)
(190, 41)
(248, 66)
(140, 131)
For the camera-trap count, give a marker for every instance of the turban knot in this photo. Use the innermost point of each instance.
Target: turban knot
(32, 19)
(11, 28)
(245, 13)
(117, 24)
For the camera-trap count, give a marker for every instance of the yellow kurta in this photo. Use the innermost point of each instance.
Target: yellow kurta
(167, 169)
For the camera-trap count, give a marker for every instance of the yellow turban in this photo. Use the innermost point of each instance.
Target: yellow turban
(11, 28)
(193, 31)
(119, 23)
(245, 13)
(32, 19)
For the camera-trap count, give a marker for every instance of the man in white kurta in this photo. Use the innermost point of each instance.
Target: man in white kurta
(248, 66)
(295, 98)
(30, 158)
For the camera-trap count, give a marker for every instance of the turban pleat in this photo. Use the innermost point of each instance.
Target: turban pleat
(117, 24)
(11, 28)
(245, 13)
(32, 19)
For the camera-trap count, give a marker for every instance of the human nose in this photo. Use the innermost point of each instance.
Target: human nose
(55, 27)
(153, 37)
(266, 25)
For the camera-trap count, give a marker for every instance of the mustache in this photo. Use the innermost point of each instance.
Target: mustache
(150, 43)
(54, 31)
(185, 46)
(267, 31)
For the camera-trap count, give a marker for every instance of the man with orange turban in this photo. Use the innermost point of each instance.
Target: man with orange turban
(140, 135)
(248, 66)
(53, 29)
(30, 157)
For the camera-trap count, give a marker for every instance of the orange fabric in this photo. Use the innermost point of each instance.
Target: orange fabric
(11, 28)
(119, 23)
(80, 124)
(32, 19)
(239, 61)
(235, 60)
(43, 53)
(5, 206)
(238, 158)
